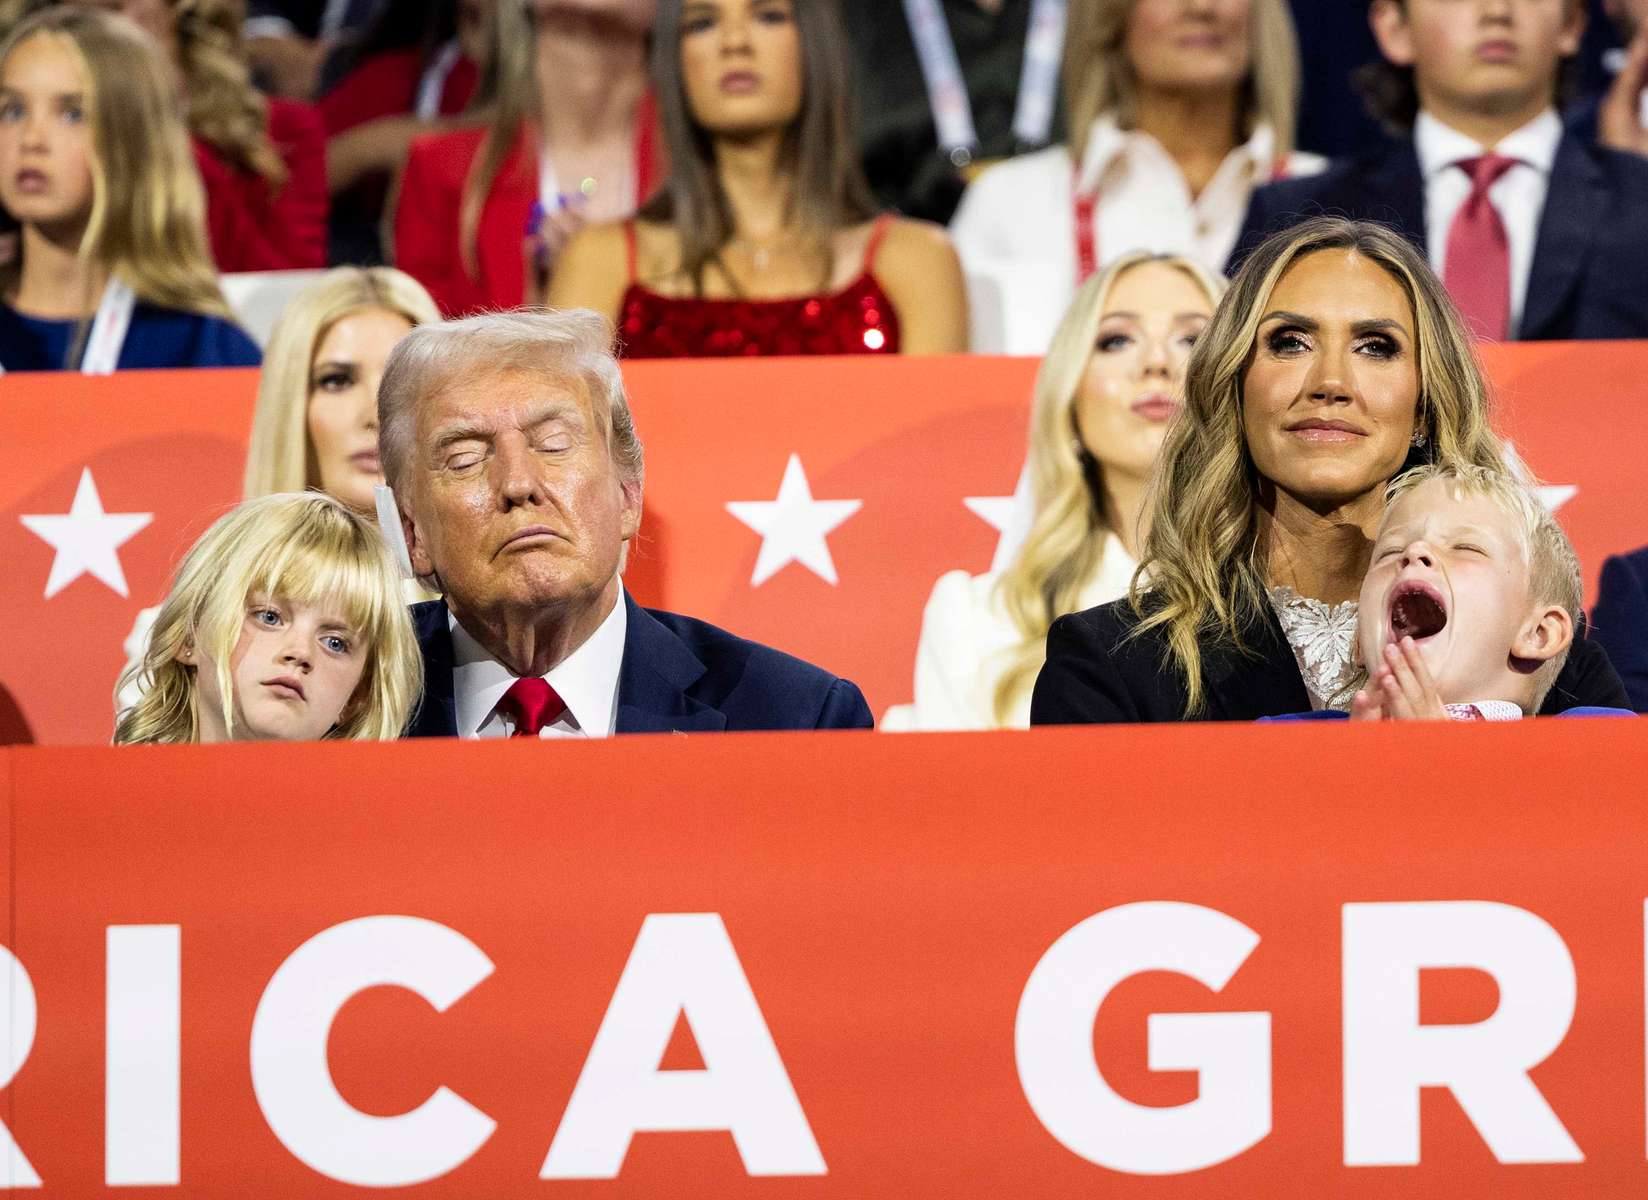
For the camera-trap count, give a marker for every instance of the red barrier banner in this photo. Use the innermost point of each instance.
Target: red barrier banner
(809, 504)
(1168, 962)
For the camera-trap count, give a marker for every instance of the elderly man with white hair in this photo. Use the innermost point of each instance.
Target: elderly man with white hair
(508, 441)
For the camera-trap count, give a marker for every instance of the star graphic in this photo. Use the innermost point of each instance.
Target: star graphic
(792, 527)
(1008, 515)
(1552, 495)
(86, 538)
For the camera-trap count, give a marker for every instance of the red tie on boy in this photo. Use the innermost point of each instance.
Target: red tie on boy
(1477, 267)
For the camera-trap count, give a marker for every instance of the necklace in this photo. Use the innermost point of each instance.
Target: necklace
(761, 253)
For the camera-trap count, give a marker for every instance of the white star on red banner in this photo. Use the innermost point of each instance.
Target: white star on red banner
(1009, 516)
(793, 527)
(86, 538)
(1552, 495)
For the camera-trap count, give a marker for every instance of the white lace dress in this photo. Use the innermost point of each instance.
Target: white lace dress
(1323, 638)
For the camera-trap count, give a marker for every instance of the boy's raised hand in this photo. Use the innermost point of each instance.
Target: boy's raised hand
(1404, 686)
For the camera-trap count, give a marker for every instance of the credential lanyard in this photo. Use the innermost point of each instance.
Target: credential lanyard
(1087, 237)
(108, 333)
(947, 90)
(433, 83)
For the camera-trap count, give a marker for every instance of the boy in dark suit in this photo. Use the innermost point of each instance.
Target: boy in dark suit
(1537, 234)
(1470, 603)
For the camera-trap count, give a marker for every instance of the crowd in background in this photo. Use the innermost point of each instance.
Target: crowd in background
(747, 177)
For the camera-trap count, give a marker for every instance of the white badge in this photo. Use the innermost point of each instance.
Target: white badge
(108, 332)
(433, 83)
(947, 90)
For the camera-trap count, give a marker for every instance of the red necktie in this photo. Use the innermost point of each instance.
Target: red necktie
(532, 703)
(1477, 267)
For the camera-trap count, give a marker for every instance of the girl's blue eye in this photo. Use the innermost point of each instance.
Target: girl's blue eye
(335, 644)
(266, 616)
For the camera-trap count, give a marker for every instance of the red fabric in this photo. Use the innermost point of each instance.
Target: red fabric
(252, 229)
(858, 319)
(431, 200)
(386, 85)
(531, 704)
(1477, 268)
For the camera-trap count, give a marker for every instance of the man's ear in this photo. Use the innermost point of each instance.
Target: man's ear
(1549, 633)
(1573, 30)
(416, 552)
(630, 522)
(1389, 20)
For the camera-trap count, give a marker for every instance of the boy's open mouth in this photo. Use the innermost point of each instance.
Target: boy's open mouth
(1417, 610)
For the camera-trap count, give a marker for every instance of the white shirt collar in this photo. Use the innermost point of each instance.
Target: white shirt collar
(1107, 141)
(586, 680)
(1439, 146)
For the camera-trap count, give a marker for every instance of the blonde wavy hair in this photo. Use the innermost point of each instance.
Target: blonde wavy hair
(224, 109)
(147, 222)
(1099, 81)
(1203, 558)
(280, 458)
(303, 548)
(1062, 550)
(1554, 575)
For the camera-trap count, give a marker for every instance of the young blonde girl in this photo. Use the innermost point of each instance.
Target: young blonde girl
(285, 621)
(110, 267)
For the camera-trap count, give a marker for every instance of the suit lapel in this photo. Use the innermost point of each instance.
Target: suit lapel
(1574, 207)
(437, 714)
(657, 670)
(1264, 683)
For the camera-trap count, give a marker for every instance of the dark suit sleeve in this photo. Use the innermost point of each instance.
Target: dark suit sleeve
(1080, 683)
(1254, 228)
(1588, 680)
(1621, 624)
(844, 708)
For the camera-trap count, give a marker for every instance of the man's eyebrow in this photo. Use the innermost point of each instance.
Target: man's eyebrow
(460, 432)
(556, 410)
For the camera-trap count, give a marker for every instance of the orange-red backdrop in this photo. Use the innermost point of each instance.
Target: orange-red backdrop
(910, 439)
(887, 899)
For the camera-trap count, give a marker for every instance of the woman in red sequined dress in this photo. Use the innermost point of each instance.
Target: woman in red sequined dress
(765, 239)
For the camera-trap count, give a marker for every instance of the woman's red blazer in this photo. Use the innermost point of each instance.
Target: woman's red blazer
(254, 229)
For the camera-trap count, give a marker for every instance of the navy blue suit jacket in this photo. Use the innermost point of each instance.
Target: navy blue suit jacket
(678, 674)
(1590, 255)
(1620, 622)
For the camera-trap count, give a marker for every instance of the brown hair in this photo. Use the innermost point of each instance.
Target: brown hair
(1391, 96)
(819, 151)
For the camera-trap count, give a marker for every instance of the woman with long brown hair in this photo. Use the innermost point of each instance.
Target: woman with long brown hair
(764, 239)
(1335, 361)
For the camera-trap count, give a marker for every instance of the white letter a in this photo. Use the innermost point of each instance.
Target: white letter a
(683, 963)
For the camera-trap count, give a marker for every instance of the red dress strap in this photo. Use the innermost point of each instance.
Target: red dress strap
(878, 232)
(629, 248)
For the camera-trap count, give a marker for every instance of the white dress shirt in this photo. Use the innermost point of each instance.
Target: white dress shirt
(1016, 226)
(968, 640)
(586, 680)
(1518, 194)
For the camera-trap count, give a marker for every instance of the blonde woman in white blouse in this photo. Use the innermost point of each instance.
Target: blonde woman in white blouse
(1105, 394)
(1177, 110)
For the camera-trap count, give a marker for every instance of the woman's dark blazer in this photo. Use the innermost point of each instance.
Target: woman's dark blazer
(1096, 675)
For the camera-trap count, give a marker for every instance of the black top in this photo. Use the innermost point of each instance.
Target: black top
(897, 139)
(1096, 675)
